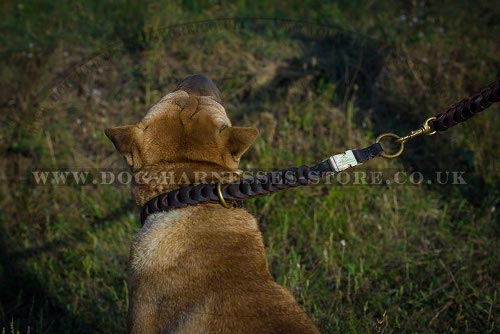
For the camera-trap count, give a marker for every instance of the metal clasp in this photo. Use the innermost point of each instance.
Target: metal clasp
(425, 129)
(340, 162)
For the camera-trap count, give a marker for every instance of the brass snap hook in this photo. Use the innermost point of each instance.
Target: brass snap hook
(425, 129)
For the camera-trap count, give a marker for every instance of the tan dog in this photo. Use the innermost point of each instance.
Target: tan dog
(203, 268)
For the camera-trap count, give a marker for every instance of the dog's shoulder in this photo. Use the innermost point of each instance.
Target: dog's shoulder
(167, 236)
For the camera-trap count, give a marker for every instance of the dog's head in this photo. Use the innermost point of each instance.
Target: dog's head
(188, 125)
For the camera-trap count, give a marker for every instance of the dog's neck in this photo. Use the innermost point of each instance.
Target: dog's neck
(154, 180)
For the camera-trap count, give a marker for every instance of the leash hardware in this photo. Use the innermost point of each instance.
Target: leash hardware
(425, 129)
(340, 162)
(221, 198)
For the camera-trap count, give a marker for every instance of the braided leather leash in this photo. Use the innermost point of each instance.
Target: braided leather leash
(256, 186)
(297, 176)
(467, 108)
(456, 114)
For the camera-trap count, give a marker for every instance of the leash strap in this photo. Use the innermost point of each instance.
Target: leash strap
(468, 107)
(235, 192)
(456, 114)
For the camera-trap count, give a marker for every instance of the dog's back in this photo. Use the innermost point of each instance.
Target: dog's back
(203, 269)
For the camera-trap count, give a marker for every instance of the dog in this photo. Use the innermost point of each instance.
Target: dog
(201, 268)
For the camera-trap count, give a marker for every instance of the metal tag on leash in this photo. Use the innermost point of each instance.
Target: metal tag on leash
(340, 162)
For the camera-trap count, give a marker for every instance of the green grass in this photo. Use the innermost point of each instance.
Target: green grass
(359, 258)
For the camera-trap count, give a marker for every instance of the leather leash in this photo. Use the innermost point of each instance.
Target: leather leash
(454, 115)
(468, 107)
(240, 190)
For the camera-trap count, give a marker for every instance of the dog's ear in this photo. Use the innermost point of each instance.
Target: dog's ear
(123, 137)
(240, 140)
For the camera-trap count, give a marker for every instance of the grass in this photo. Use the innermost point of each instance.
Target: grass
(316, 80)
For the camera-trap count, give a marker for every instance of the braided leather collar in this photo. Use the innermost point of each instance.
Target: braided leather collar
(257, 186)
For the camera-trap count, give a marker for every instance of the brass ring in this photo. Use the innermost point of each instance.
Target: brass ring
(221, 198)
(401, 145)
